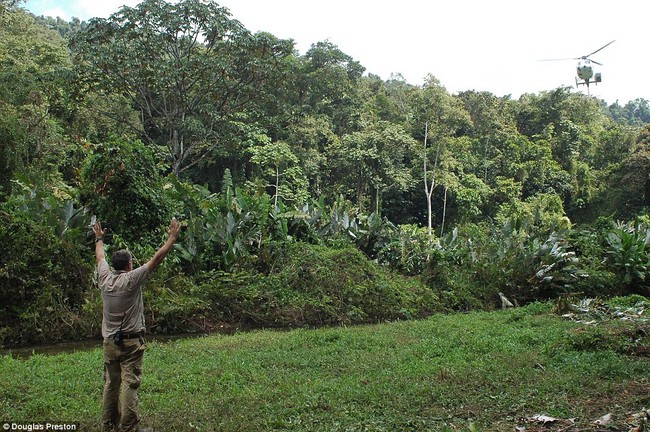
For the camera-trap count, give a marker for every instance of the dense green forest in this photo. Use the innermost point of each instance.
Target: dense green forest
(310, 193)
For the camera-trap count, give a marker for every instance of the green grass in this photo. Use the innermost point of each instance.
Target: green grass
(487, 370)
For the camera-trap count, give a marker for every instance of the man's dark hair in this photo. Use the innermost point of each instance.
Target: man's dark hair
(121, 259)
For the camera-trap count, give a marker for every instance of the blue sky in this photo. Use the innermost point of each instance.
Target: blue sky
(467, 44)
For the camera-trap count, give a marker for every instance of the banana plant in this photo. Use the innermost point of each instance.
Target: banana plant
(628, 252)
(55, 208)
(556, 266)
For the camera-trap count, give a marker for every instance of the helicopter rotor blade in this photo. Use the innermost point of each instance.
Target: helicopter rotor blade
(560, 59)
(604, 46)
(594, 61)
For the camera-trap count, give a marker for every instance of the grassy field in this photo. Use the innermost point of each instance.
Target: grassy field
(467, 372)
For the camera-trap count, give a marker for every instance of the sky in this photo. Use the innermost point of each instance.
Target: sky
(481, 45)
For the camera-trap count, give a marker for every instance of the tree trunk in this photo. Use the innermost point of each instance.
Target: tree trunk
(485, 161)
(176, 151)
(428, 191)
(426, 179)
(444, 213)
(377, 200)
(429, 210)
(277, 186)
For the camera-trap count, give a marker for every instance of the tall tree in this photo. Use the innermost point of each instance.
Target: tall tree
(387, 100)
(33, 64)
(328, 84)
(429, 177)
(630, 186)
(187, 67)
(278, 163)
(445, 118)
(372, 162)
(310, 137)
(635, 112)
(494, 129)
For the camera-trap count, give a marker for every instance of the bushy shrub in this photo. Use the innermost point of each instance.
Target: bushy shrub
(537, 215)
(43, 278)
(541, 267)
(173, 304)
(472, 266)
(588, 246)
(453, 270)
(408, 250)
(317, 285)
(122, 186)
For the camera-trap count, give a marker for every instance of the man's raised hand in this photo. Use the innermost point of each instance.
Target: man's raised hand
(99, 232)
(174, 229)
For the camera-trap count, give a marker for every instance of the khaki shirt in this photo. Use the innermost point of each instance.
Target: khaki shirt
(122, 298)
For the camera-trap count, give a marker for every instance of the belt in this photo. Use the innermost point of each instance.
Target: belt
(128, 335)
(132, 335)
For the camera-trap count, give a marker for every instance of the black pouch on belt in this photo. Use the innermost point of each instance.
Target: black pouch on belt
(117, 338)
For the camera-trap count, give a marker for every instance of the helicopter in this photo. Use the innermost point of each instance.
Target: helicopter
(585, 70)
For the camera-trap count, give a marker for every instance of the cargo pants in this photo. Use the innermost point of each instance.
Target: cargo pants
(122, 377)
